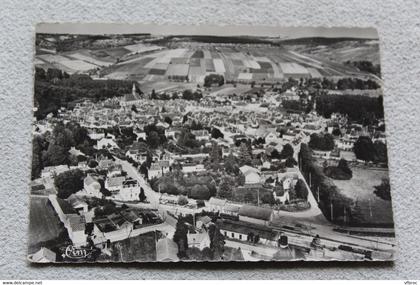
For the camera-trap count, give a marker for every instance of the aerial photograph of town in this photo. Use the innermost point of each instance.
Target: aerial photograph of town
(151, 147)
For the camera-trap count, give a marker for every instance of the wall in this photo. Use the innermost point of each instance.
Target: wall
(399, 29)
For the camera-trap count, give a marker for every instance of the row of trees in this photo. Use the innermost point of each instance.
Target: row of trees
(55, 89)
(324, 142)
(367, 150)
(357, 107)
(52, 149)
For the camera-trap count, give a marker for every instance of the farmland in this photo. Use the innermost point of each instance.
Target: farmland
(184, 60)
(44, 224)
(361, 190)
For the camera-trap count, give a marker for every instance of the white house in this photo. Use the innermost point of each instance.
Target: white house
(44, 255)
(92, 187)
(106, 142)
(158, 168)
(252, 175)
(201, 135)
(199, 240)
(123, 189)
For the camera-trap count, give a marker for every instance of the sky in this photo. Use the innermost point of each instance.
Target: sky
(283, 32)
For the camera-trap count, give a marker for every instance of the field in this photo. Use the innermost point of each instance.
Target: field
(44, 224)
(342, 51)
(139, 248)
(361, 189)
(189, 61)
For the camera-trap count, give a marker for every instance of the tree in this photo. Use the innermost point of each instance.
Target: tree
(245, 154)
(37, 146)
(68, 182)
(324, 142)
(216, 133)
(134, 108)
(182, 200)
(290, 162)
(92, 163)
(217, 241)
(364, 149)
(200, 192)
(142, 196)
(301, 190)
(225, 188)
(153, 139)
(215, 154)
(153, 94)
(211, 79)
(57, 155)
(383, 190)
(168, 120)
(287, 151)
(343, 165)
(180, 237)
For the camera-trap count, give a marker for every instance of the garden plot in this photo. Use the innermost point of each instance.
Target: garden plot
(52, 58)
(360, 188)
(141, 48)
(78, 65)
(219, 66)
(89, 59)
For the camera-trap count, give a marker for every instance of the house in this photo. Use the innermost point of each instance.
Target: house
(172, 132)
(199, 240)
(44, 255)
(115, 170)
(92, 187)
(203, 222)
(256, 215)
(216, 204)
(140, 134)
(231, 209)
(251, 174)
(192, 168)
(106, 142)
(123, 189)
(158, 168)
(104, 163)
(78, 204)
(271, 137)
(244, 231)
(51, 171)
(166, 250)
(114, 183)
(201, 135)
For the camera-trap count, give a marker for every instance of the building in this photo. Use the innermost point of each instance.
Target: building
(255, 215)
(199, 240)
(106, 143)
(123, 189)
(216, 204)
(158, 168)
(251, 174)
(92, 187)
(131, 98)
(72, 221)
(244, 231)
(44, 255)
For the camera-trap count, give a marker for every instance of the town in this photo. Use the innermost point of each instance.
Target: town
(214, 165)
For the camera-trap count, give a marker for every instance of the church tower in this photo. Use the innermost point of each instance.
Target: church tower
(134, 90)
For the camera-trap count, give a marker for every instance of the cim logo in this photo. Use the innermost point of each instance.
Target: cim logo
(77, 253)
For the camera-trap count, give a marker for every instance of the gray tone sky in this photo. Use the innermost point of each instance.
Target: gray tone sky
(284, 32)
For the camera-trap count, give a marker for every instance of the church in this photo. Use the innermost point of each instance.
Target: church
(130, 99)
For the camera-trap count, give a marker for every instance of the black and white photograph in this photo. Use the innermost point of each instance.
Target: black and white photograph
(208, 144)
